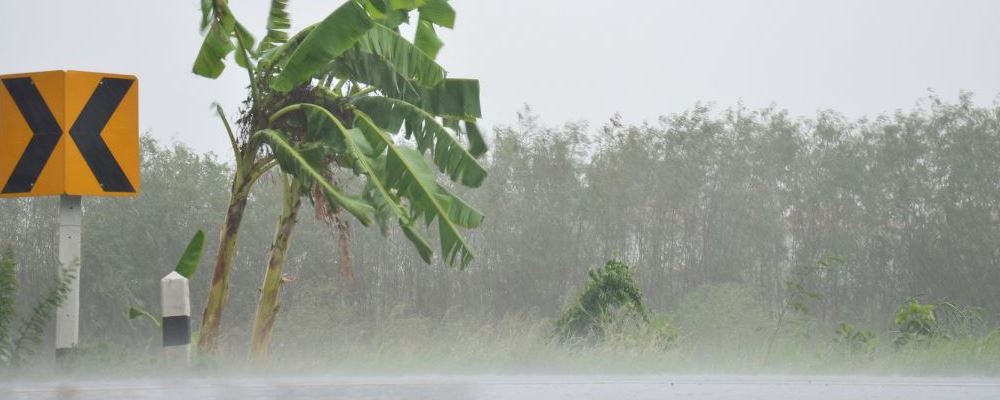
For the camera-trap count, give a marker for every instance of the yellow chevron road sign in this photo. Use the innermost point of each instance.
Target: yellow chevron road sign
(69, 132)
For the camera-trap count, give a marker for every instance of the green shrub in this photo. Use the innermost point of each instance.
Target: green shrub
(855, 342)
(8, 310)
(16, 346)
(915, 322)
(959, 321)
(611, 294)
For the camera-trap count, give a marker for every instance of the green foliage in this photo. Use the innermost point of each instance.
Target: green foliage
(406, 60)
(328, 102)
(187, 265)
(855, 342)
(610, 293)
(325, 42)
(959, 320)
(278, 22)
(224, 34)
(301, 115)
(8, 300)
(802, 284)
(296, 164)
(135, 312)
(16, 347)
(699, 199)
(449, 155)
(915, 323)
(32, 330)
(800, 289)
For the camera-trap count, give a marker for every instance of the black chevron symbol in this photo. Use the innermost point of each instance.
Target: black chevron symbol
(86, 133)
(45, 134)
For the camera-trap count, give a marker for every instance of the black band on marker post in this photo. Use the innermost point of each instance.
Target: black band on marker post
(176, 330)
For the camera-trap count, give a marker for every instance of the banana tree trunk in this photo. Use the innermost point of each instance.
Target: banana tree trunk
(211, 320)
(268, 306)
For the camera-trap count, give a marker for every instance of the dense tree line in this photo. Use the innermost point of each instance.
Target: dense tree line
(910, 202)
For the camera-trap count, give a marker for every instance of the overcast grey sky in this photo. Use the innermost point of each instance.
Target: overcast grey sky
(570, 60)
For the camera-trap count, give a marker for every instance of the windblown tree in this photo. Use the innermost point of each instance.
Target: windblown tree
(347, 95)
(608, 289)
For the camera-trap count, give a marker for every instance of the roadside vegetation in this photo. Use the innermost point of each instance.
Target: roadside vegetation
(725, 219)
(21, 337)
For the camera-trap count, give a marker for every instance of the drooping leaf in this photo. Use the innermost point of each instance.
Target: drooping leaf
(354, 139)
(320, 129)
(459, 211)
(477, 145)
(360, 146)
(244, 45)
(214, 49)
(427, 40)
(328, 40)
(206, 14)
(295, 163)
(438, 12)
(279, 55)
(371, 70)
(416, 177)
(134, 312)
(448, 153)
(452, 98)
(187, 265)
(423, 248)
(411, 176)
(404, 57)
(357, 144)
(278, 23)
(373, 135)
(456, 98)
(224, 35)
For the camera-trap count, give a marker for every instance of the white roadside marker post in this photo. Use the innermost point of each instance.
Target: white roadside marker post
(175, 304)
(68, 312)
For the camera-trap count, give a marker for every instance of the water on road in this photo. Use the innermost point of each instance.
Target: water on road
(597, 387)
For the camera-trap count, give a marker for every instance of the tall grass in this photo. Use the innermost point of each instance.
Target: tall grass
(722, 329)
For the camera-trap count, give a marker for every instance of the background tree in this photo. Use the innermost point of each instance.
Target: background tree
(561, 198)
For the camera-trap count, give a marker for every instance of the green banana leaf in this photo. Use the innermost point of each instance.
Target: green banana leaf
(187, 265)
(328, 40)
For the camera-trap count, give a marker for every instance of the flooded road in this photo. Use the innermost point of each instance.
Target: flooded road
(598, 387)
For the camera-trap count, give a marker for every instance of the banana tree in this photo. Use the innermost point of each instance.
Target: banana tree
(347, 94)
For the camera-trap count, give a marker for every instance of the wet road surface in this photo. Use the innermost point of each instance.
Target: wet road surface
(597, 387)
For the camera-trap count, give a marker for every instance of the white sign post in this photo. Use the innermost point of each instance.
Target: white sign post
(68, 313)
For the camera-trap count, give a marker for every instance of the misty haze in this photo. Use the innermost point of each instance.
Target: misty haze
(434, 199)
